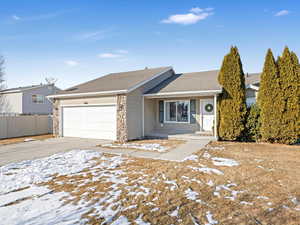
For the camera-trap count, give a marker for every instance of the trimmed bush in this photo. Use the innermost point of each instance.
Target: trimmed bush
(252, 132)
(270, 100)
(289, 79)
(232, 101)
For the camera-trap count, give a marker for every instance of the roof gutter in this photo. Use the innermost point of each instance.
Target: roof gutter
(183, 93)
(252, 87)
(99, 93)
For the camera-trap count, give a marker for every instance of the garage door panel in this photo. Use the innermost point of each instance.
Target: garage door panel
(90, 122)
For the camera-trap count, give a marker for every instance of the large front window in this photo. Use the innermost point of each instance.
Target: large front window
(177, 111)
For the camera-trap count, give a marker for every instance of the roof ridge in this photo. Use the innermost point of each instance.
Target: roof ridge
(90, 81)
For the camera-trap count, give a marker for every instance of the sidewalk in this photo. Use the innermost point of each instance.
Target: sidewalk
(177, 154)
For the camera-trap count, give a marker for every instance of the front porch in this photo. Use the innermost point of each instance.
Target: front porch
(180, 116)
(182, 136)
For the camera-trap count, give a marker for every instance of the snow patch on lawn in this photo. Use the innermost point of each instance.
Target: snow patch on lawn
(207, 170)
(217, 161)
(210, 219)
(27, 203)
(47, 209)
(190, 194)
(147, 147)
(191, 158)
(19, 175)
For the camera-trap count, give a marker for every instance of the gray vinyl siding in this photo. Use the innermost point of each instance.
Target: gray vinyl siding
(11, 103)
(29, 107)
(135, 106)
(250, 93)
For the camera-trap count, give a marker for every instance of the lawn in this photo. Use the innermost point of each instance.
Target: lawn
(8, 141)
(225, 183)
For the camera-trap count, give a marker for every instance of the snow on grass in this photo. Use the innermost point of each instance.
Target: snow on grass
(210, 219)
(207, 170)
(190, 194)
(217, 161)
(19, 175)
(175, 212)
(227, 188)
(192, 158)
(144, 146)
(27, 203)
(139, 221)
(47, 209)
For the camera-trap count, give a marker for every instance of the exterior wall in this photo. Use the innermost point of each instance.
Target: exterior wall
(30, 107)
(11, 103)
(150, 116)
(122, 131)
(56, 118)
(251, 96)
(152, 123)
(58, 103)
(135, 106)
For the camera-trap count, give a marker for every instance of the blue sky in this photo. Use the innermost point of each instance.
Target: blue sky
(75, 41)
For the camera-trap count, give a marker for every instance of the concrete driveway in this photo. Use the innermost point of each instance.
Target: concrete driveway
(38, 149)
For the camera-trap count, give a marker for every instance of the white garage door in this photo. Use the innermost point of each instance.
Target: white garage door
(90, 122)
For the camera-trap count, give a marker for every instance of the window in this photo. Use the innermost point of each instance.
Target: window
(39, 99)
(177, 111)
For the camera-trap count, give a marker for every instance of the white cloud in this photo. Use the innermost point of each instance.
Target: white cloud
(282, 13)
(71, 63)
(109, 55)
(196, 10)
(195, 15)
(15, 17)
(95, 35)
(40, 16)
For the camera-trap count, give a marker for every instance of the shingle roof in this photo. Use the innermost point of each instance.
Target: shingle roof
(253, 78)
(197, 81)
(20, 89)
(115, 81)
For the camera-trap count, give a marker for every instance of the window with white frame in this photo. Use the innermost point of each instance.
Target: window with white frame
(177, 111)
(39, 99)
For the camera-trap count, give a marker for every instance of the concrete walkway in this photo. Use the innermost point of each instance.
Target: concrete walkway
(38, 149)
(177, 154)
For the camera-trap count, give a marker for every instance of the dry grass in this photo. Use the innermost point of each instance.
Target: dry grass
(264, 184)
(167, 143)
(22, 139)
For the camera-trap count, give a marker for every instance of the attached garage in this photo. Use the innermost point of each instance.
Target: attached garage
(99, 122)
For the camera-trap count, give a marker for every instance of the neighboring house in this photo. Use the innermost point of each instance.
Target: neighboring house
(135, 104)
(252, 86)
(27, 100)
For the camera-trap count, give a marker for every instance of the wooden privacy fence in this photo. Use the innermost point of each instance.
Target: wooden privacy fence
(24, 125)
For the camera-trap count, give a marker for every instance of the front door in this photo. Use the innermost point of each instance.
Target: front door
(207, 114)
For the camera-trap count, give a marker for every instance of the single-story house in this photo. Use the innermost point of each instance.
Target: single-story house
(131, 105)
(27, 100)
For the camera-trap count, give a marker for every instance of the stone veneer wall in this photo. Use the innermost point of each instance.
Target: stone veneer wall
(121, 119)
(56, 118)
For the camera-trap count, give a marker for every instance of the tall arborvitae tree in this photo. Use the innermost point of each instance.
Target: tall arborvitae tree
(270, 100)
(289, 82)
(232, 101)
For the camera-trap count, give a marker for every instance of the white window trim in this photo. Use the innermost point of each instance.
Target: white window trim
(177, 100)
